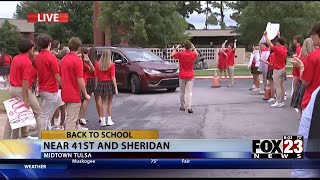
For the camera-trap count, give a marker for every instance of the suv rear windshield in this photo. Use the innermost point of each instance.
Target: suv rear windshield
(141, 55)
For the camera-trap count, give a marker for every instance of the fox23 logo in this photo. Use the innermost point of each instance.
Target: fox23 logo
(287, 145)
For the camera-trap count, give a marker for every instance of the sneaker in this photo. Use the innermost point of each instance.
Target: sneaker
(83, 121)
(30, 137)
(110, 122)
(79, 127)
(256, 89)
(60, 128)
(278, 105)
(182, 109)
(274, 104)
(261, 92)
(190, 111)
(103, 123)
(271, 100)
(285, 97)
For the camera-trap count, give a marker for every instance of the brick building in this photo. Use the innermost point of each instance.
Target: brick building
(24, 27)
(102, 37)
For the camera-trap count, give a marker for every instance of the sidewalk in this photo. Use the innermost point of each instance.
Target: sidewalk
(235, 77)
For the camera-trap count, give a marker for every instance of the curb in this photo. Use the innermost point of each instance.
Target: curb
(236, 77)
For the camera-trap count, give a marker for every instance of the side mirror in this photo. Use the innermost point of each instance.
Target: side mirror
(118, 61)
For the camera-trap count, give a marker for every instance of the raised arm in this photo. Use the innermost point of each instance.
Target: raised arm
(268, 40)
(235, 44)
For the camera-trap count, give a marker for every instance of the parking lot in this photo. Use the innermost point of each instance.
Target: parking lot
(223, 112)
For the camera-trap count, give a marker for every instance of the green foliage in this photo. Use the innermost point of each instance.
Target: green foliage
(185, 8)
(80, 18)
(145, 23)
(294, 17)
(9, 36)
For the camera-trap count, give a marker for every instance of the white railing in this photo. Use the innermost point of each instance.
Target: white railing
(207, 53)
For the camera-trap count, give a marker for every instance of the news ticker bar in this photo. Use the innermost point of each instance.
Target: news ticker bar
(209, 155)
(160, 164)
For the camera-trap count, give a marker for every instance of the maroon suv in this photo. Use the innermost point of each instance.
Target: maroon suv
(140, 70)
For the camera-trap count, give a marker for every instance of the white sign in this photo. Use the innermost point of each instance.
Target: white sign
(18, 114)
(272, 30)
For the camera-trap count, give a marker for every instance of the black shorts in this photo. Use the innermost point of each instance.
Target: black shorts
(254, 70)
(270, 75)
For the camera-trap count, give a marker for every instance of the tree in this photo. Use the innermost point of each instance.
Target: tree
(238, 7)
(209, 19)
(221, 5)
(185, 8)
(9, 36)
(143, 23)
(80, 18)
(294, 17)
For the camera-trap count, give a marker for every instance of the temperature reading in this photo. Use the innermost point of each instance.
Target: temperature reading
(153, 161)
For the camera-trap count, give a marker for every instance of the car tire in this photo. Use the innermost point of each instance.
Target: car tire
(171, 89)
(135, 85)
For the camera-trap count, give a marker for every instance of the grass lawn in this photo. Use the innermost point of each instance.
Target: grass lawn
(4, 95)
(238, 71)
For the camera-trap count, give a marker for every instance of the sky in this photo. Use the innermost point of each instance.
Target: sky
(8, 8)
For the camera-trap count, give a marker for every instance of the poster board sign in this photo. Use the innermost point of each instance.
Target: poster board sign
(18, 115)
(272, 31)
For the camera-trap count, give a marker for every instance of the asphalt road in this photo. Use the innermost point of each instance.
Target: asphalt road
(218, 113)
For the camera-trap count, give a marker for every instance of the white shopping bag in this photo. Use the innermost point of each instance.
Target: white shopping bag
(18, 115)
(272, 31)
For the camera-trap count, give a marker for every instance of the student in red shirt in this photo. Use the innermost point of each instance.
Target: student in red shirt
(307, 48)
(5, 59)
(48, 80)
(186, 74)
(106, 86)
(270, 75)
(231, 50)
(21, 73)
(297, 41)
(310, 68)
(279, 65)
(88, 69)
(222, 61)
(71, 71)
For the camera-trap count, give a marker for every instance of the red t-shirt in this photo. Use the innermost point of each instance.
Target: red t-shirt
(89, 74)
(85, 73)
(33, 75)
(230, 58)
(105, 75)
(7, 60)
(311, 74)
(71, 68)
(296, 71)
(271, 60)
(186, 60)
(280, 56)
(47, 67)
(20, 69)
(222, 56)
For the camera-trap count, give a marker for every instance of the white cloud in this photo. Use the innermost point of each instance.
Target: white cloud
(8, 8)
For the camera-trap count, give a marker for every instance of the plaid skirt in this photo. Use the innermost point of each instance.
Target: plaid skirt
(91, 85)
(105, 88)
(297, 96)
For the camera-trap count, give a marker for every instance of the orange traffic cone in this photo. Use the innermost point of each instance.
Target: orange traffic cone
(267, 94)
(215, 81)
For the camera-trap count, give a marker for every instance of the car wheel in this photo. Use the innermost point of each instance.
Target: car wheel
(135, 85)
(171, 89)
